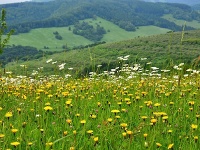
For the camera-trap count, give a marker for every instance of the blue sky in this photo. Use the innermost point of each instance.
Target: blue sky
(11, 1)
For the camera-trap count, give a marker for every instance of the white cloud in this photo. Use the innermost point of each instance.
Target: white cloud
(11, 1)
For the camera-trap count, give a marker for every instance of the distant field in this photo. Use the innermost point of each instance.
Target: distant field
(194, 23)
(118, 34)
(44, 36)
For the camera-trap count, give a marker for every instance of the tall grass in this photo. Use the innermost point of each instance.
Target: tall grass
(127, 107)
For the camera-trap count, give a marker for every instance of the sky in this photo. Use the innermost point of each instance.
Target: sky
(11, 1)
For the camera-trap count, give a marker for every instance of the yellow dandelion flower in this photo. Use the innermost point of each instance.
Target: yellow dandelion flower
(99, 104)
(137, 97)
(169, 131)
(72, 148)
(145, 135)
(78, 115)
(127, 99)
(128, 103)
(96, 139)
(47, 108)
(49, 144)
(146, 144)
(129, 132)
(68, 102)
(69, 121)
(74, 132)
(115, 111)
(30, 143)
(109, 119)
(144, 93)
(47, 104)
(194, 126)
(124, 134)
(93, 116)
(50, 96)
(153, 121)
(170, 146)
(90, 131)
(144, 117)
(15, 144)
(191, 109)
(8, 114)
(157, 104)
(158, 145)
(165, 117)
(123, 125)
(191, 103)
(117, 117)
(14, 130)
(83, 121)
(196, 138)
(119, 103)
(65, 133)
(140, 107)
(1, 108)
(2, 135)
(123, 110)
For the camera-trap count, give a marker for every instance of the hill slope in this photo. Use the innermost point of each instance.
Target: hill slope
(127, 14)
(163, 51)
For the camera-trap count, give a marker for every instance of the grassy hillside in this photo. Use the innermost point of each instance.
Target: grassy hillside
(194, 23)
(128, 14)
(44, 36)
(163, 51)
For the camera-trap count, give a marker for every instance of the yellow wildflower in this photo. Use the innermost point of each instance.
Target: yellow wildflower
(90, 131)
(15, 144)
(170, 146)
(158, 145)
(109, 119)
(74, 132)
(115, 111)
(145, 135)
(14, 130)
(30, 143)
(65, 133)
(47, 108)
(194, 126)
(123, 125)
(8, 114)
(96, 139)
(49, 144)
(83, 121)
(1, 136)
(124, 134)
(69, 121)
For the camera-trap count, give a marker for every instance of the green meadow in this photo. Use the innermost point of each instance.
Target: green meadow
(127, 107)
(194, 23)
(44, 36)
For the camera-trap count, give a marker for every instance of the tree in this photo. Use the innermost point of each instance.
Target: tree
(3, 28)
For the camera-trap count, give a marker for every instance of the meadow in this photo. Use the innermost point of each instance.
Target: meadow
(127, 107)
(42, 37)
(195, 24)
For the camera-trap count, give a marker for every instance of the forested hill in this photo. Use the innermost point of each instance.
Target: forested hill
(188, 2)
(196, 7)
(128, 14)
